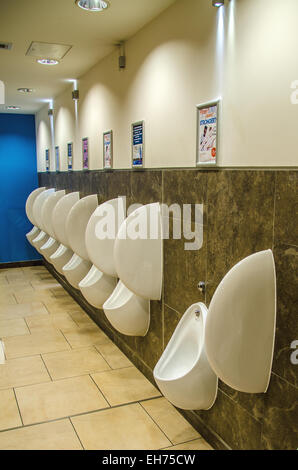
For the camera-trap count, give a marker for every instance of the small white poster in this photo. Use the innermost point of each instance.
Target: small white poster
(207, 133)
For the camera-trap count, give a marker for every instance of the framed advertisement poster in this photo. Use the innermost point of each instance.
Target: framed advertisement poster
(69, 155)
(57, 157)
(85, 153)
(207, 133)
(47, 159)
(138, 141)
(108, 150)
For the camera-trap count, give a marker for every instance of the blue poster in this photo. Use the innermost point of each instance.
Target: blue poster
(138, 144)
(57, 158)
(69, 155)
(47, 160)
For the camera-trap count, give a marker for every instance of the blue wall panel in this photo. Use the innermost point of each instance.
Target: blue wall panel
(18, 177)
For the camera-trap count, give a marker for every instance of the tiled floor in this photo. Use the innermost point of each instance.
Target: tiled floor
(65, 385)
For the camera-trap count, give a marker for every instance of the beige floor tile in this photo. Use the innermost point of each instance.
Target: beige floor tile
(35, 296)
(75, 362)
(41, 341)
(9, 413)
(172, 423)
(3, 281)
(9, 312)
(15, 276)
(59, 399)
(85, 336)
(7, 299)
(124, 385)
(12, 288)
(58, 435)
(80, 317)
(41, 285)
(13, 327)
(59, 321)
(23, 371)
(198, 444)
(114, 357)
(54, 305)
(124, 428)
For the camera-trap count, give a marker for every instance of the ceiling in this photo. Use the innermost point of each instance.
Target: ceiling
(91, 35)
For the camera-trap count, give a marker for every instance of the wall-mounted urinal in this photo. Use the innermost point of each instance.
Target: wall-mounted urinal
(42, 237)
(240, 328)
(79, 265)
(100, 236)
(60, 213)
(46, 213)
(183, 373)
(237, 334)
(29, 212)
(138, 255)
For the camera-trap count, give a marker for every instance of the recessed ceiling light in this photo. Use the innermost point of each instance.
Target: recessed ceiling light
(218, 3)
(92, 5)
(13, 107)
(25, 90)
(48, 61)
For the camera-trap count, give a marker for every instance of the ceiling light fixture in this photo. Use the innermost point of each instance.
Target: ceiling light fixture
(218, 3)
(25, 90)
(48, 61)
(92, 5)
(12, 108)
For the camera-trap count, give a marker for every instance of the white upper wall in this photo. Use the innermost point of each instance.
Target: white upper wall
(191, 53)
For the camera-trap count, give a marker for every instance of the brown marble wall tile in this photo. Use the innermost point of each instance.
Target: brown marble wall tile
(240, 219)
(286, 262)
(146, 187)
(233, 424)
(183, 269)
(253, 403)
(286, 208)
(150, 347)
(280, 419)
(98, 185)
(118, 184)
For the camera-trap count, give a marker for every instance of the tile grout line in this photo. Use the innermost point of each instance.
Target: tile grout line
(70, 420)
(153, 420)
(21, 417)
(46, 368)
(186, 442)
(100, 391)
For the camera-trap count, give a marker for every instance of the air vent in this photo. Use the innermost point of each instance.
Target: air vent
(48, 50)
(6, 45)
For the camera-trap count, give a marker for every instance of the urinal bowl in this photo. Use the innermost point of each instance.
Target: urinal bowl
(40, 240)
(49, 248)
(75, 270)
(183, 373)
(32, 234)
(127, 312)
(97, 287)
(60, 258)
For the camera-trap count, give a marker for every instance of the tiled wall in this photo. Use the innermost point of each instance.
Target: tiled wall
(244, 211)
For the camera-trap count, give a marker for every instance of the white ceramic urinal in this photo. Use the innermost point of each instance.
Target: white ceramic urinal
(138, 262)
(79, 265)
(29, 212)
(47, 210)
(100, 236)
(240, 328)
(63, 253)
(183, 373)
(42, 237)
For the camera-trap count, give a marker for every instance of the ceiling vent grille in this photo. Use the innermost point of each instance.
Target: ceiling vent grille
(6, 45)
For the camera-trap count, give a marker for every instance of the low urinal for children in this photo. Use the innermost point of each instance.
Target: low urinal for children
(47, 210)
(138, 261)
(42, 237)
(96, 287)
(237, 335)
(61, 210)
(183, 373)
(240, 327)
(79, 265)
(29, 212)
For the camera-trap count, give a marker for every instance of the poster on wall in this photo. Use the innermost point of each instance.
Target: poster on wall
(85, 153)
(57, 157)
(108, 149)
(69, 155)
(47, 160)
(138, 144)
(207, 133)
